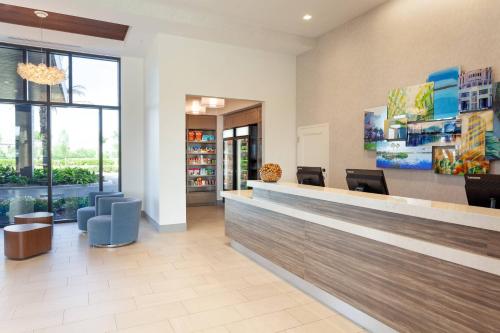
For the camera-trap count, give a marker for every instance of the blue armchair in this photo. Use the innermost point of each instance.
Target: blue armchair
(85, 213)
(116, 223)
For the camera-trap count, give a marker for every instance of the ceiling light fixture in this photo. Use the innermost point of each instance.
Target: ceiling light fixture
(212, 102)
(307, 17)
(197, 108)
(41, 73)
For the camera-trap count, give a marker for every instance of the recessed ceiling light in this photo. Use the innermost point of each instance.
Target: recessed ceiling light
(307, 17)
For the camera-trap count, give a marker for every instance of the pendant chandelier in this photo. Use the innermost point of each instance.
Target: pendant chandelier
(41, 73)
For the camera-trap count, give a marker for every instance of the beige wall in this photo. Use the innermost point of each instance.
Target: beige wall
(398, 44)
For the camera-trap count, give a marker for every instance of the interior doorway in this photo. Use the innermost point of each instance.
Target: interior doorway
(313, 147)
(223, 146)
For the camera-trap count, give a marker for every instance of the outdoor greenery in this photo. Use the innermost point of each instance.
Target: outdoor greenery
(65, 206)
(62, 176)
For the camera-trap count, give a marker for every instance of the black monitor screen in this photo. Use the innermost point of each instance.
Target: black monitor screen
(310, 176)
(372, 181)
(483, 190)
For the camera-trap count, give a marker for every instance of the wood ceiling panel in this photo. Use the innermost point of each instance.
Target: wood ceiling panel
(61, 22)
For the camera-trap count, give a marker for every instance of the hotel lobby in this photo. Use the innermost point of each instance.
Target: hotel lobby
(249, 166)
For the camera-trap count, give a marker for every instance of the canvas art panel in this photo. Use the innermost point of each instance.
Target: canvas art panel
(434, 133)
(374, 126)
(492, 146)
(414, 102)
(445, 92)
(476, 90)
(396, 155)
(493, 138)
(396, 128)
(447, 161)
(474, 128)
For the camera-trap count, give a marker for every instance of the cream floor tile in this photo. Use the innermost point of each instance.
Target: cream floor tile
(205, 320)
(94, 325)
(34, 322)
(34, 286)
(268, 323)
(219, 287)
(154, 299)
(150, 315)
(177, 283)
(262, 291)
(50, 306)
(301, 297)
(310, 312)
(214, 301)
(137, 285)
(334, 324)
(112, 294)
(159, 327)
(220, 329)
(22, 297)
(98, 310)
(266, 305)
(261, 278)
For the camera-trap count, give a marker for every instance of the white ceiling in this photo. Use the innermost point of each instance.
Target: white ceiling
(274, 25)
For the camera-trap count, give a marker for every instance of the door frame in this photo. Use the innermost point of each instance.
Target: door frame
(323, 127)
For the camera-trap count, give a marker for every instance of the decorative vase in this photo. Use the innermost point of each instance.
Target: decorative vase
(270, 172)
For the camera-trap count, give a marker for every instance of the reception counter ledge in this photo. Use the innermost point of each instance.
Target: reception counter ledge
(388, 263)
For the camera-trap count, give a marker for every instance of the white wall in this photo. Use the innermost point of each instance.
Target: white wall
(151, 132)
(195, 67)
(132, 127)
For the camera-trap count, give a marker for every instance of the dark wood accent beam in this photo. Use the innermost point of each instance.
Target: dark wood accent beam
(62, 22)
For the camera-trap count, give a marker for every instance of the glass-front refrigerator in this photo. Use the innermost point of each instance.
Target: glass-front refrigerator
(241, 157)
(228, 153)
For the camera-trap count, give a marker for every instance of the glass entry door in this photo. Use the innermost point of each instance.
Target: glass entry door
(242, 163)
(75, 159)
(228, 165)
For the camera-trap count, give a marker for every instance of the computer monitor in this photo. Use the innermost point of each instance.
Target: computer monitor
(310, 176)
(372, 181)
(483, 190)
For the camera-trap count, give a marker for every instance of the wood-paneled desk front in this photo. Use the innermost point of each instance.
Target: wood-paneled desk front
(388, 263)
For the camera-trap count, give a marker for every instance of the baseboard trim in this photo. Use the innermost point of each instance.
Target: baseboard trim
(362, 319)
(178, 227)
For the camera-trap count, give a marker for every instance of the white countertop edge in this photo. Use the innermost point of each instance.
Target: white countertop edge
(461, 257)
(476, 217)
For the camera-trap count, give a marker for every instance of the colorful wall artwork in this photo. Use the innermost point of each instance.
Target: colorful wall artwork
(474, 128)
(450, 124)
(445, 92)
(492, 146)
(493, 138)
(396, 128)
(447, 161)
(476, 90)
(396, 155)
(434, 133)
(415, 102)
(374, 126)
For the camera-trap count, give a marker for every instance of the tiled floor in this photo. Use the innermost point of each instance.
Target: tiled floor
(178, 282)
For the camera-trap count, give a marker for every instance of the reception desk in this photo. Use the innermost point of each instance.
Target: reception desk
(388, 263)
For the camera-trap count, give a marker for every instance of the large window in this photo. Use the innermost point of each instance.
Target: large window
(57, 143)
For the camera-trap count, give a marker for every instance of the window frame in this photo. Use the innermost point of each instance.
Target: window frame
(49, 105)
